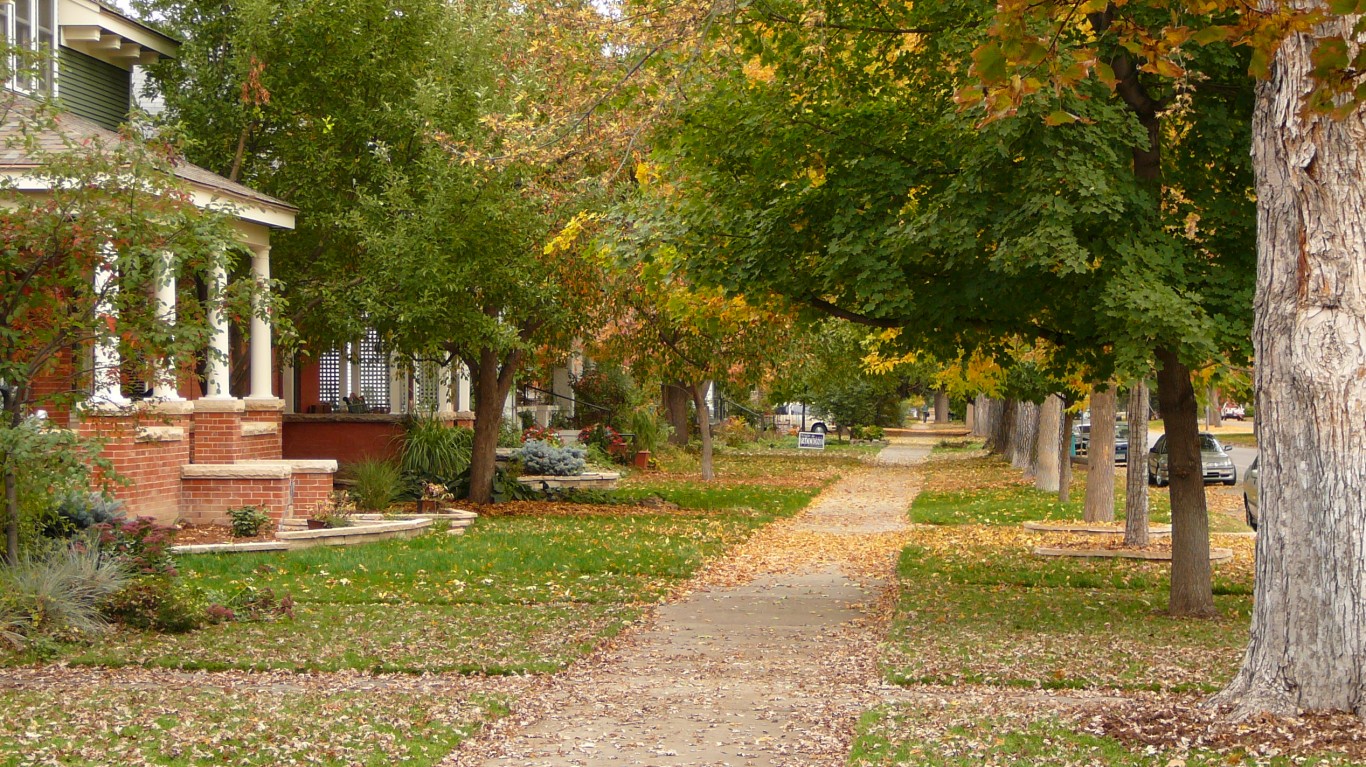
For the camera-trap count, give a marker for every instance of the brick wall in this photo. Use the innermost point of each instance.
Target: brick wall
(261, 427)
(205, 500)
(310, 489)
(217, 431)
(147, 445)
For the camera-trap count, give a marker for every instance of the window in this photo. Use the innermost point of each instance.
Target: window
(30, 28)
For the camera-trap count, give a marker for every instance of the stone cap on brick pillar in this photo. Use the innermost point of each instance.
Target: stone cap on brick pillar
(299, 465)
(219, 406)
(262, 470)
(265, 404)
(142, 407)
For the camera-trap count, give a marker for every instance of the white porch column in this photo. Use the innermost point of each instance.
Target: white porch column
(107, 378)
(343, 375)
(356, 346)
(462, 388)
(260, 327)
(165, 387)
(216, 367)
(398, 384)
(443, 390)
(290, 394)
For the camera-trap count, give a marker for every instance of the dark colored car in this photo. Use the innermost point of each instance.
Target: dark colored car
(1081, 441)
(1214, 462)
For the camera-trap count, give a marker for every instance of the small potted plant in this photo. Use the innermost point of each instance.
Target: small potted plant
(434, 494)
(336, 511)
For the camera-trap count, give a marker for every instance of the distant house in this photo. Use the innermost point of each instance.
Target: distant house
(189, 446)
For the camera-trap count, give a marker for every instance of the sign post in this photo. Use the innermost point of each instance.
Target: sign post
(811, 440)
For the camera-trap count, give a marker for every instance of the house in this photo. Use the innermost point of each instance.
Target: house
(190, 448)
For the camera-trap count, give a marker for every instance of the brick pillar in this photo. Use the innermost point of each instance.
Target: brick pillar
(217, 431)
(262, 439)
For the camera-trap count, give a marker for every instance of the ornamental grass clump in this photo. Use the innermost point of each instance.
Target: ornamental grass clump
(544, 459)
(59, 593)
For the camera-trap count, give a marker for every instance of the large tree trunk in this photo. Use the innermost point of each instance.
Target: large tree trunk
(941, 407)
(1046, 475)
(1213, 412)
(1065, 457)
(674, 397)
(1026, 434)
(1100, 459)
(1002, 426)
(1136, 475)
(699, 398)
(492, 381)
(982, 415)
(1308, 644)
(1192, 591)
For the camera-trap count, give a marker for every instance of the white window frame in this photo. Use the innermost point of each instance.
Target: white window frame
(39, 37)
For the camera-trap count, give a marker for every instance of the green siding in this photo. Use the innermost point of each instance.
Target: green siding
(93, 89)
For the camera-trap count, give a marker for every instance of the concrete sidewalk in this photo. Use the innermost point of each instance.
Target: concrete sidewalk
(773, 672)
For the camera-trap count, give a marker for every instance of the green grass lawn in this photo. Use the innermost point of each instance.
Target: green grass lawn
(979, 615)
(394, 646)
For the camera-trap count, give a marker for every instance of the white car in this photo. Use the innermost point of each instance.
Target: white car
(1214, 462)
(1232, 412)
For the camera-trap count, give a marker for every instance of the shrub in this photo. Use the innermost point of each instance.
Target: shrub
(543, 458)
(376, 483)
(873, 432)
(541, 434)
(509, 433)
(81, 510)
(58, 592)
(248, 521)
(161, 603)
(608, 387)
(735, 432)
(433, 451)
(606, 439)
(141, 544)
(651, 431)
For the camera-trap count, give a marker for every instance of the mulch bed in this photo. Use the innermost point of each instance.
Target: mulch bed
(196, 535)
(1189, 723)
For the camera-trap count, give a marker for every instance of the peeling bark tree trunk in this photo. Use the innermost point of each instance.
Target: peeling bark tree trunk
(1065, 457)
(1136, 475)
(1047, 452)
(1308, 643)
(941, 407)
(1100, 459)
(674, 397)
(492, 381)
(1026, 433)
(1192, 589)
(699, 398)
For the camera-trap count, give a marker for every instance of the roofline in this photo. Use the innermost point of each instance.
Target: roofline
(275, 216)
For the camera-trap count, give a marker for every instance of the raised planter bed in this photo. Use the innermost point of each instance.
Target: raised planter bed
(593, 480)
(1090, 528)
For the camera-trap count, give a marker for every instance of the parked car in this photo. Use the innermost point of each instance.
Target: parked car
(1250, 502)
(1231, 411)
(1214, 461)
(1081, 442)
